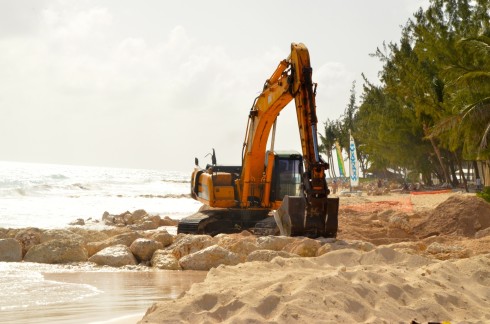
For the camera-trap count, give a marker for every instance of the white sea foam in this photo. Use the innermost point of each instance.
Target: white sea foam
(51, 196)
(22, 286)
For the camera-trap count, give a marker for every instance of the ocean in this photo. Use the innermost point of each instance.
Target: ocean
(51, 196)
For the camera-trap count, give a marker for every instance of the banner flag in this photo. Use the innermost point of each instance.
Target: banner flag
(340, 160)
(354, 164)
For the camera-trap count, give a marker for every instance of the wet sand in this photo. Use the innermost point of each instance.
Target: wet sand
(124, 297)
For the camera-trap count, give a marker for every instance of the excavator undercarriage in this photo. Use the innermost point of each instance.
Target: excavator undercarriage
(288, 220)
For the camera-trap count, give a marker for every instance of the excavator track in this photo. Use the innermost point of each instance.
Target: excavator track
(213, 221)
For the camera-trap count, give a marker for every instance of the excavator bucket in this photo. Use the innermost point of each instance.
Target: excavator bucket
(292, 219)
(290, 216)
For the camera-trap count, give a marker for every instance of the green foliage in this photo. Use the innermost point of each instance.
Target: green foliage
(485, 194)
(432, 108)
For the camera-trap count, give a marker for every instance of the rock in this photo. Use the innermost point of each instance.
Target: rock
(28, 238)
(90, 235)
(443, 252)
(143, 248)
(165, 260)
(60, 234)
(304, 247)
(10, 250)
(268, 255)
(113, 231)
(146, 223)
(114, 256)
(3, 233)
(107, 218)
(137, 216)
(138, 220)
(124, 239)
(276, 243)
(167, 221)
(208, 258)
(163, 237)
(189, 244)
(241, 245)
(57, 251)
(79, 221)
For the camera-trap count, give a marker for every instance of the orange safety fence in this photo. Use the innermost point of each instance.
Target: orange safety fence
(430, 192)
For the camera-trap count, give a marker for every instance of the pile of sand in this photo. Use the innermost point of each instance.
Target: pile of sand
(459, 215)
(390, 221)
(343, 286)
(402, 280)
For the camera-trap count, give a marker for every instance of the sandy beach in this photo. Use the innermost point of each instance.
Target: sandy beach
(421, 258)
(397, 258)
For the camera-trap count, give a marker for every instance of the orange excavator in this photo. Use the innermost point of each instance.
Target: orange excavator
(271, 191)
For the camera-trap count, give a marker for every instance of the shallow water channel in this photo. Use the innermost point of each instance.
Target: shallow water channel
(90, 296)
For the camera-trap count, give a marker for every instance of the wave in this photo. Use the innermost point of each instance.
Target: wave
(58, 176)
(43, 189)
(176, 181)
(166, 196)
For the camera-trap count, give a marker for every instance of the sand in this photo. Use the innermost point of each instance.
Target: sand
(427, 266)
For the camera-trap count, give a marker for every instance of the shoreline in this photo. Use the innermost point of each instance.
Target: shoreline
(122, 296)
(379, 227)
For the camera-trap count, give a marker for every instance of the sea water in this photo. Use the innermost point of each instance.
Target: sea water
(51, 196)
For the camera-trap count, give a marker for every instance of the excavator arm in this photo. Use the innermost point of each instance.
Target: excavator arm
(237, 197)
(291, 80)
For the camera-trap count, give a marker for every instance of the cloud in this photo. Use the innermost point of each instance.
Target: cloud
(334, 83)
(76, 90)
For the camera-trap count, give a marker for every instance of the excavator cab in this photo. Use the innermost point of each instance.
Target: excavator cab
(286, 177)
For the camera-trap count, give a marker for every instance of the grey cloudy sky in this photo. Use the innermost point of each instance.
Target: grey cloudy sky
(151, 84)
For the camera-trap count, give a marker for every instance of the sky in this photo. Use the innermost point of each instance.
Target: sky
(153, 84)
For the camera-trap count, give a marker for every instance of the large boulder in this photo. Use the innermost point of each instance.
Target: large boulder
(162, 236)
(4, 233)
(28, 238)
(124, 239)
(208, 258)
(276, 243)
(57, 251)
(89, 235)
(268, 255)
(10, 250)
(242, 245)
(165, 260)
(60, 234)
(143, 248)
(187, 244)
(114, 256)
(304, 247)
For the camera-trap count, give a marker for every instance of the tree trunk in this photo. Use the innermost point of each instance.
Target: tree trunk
(438, 153)
(477, 171)
(486, 173)
(461, 172)
(454, 181)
